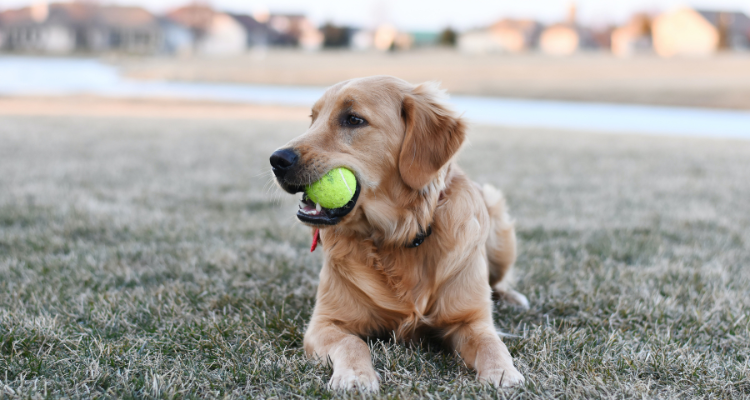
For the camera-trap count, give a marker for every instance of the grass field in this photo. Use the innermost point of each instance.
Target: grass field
(151, 258)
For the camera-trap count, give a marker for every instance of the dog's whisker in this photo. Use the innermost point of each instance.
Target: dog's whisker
(264, 171)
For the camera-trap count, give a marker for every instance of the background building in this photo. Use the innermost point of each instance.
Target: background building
(689, 32)
(567, 38)
(128, 30)
(213, 33)
(55, 28)
(505, 36)
(684, 32)
(632, 38)
(64, 28)
(733, 27)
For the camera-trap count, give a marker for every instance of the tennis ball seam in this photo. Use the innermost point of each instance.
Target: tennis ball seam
(343, 178)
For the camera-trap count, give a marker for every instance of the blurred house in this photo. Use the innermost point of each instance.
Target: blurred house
(403, 41)
(734, 28)
(684, 32)
(128, 30)
(362, 40)
(336, 36)
(505, 36)
(214, 33)
(517, 35)
(294, 30)
(217, 33)
(225, 36)
(258, 32)
(176, 38)
(43, 28)
(566, 38)
(63, 28)
(602, 37)
(689, 32)
(634, 37)
(386, 37)
(478, 42)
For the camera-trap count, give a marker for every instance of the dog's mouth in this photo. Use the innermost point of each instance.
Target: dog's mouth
(314, 214)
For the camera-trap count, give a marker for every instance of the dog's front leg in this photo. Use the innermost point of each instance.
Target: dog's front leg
(481, 347)
(349, 354)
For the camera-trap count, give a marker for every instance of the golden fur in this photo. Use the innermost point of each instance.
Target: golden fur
(371, 283)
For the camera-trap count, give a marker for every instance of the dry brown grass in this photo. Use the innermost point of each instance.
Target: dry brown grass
(722, 81)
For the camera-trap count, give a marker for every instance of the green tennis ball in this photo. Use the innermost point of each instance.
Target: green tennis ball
(334, 189)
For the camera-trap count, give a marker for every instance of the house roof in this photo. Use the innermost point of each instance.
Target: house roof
(13, 17)
(195, 16)
(68, 13)
(249, 23)
(76, 14)
(127, 17)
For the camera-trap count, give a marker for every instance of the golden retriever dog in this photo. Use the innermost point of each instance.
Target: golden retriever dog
(419, 249)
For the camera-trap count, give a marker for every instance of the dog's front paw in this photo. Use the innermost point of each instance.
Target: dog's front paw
(502, 377)
(351, 379)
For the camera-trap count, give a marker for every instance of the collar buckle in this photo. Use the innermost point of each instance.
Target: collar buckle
(421, 236)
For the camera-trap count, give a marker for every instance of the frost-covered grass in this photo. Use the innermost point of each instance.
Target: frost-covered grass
(150, 258)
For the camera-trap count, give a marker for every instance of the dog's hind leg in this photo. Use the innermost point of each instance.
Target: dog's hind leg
(501, 248)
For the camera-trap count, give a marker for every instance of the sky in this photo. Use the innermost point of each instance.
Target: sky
(432, 15)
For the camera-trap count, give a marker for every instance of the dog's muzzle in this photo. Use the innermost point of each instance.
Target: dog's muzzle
(284, 164)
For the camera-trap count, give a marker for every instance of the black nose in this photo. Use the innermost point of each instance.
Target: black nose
(281, 161)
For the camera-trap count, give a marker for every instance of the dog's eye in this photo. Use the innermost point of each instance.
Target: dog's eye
(354, 120)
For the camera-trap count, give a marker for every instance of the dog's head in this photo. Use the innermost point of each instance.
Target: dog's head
(396, 137)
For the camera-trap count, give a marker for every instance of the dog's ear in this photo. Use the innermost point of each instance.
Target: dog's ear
(433, 135)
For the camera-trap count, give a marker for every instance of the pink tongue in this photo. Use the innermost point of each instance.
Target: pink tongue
(310, 209)
(316, 238)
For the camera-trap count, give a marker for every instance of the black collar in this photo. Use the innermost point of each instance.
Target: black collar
(421, 236)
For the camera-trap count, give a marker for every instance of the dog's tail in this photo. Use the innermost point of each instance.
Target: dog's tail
(501, 247)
